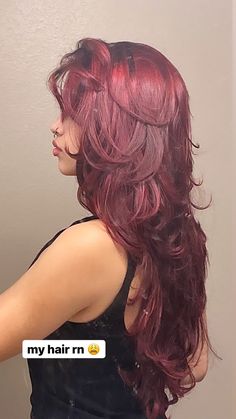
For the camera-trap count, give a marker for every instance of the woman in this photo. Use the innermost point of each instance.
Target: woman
(133, 273)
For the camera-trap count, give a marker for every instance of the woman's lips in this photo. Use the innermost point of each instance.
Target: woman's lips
(56, 151)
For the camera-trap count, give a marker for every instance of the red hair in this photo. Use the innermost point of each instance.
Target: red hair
(134, 169)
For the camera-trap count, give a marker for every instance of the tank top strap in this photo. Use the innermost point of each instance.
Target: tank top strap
(46, 245)
(88, 218)
(121, 297)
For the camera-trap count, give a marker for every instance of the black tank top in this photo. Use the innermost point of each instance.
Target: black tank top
(74, 388)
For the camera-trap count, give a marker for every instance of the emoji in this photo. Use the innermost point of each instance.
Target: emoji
(93, 348)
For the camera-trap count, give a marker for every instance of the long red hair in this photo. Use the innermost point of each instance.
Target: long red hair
(134, 169)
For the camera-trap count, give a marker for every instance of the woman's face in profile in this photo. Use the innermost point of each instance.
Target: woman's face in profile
(67, 135)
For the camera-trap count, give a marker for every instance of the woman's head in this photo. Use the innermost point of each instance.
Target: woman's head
(128, 106)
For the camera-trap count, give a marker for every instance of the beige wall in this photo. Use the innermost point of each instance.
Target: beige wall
(37, 201)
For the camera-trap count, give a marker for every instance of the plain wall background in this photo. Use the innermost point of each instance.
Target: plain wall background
(37, 200)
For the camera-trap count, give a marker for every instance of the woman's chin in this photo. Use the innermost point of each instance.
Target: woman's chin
(66, 170)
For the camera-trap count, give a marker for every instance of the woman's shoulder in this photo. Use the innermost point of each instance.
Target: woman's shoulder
(96, 231)
(108, 259)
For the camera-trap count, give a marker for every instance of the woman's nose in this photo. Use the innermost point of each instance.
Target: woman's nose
(55, 126)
